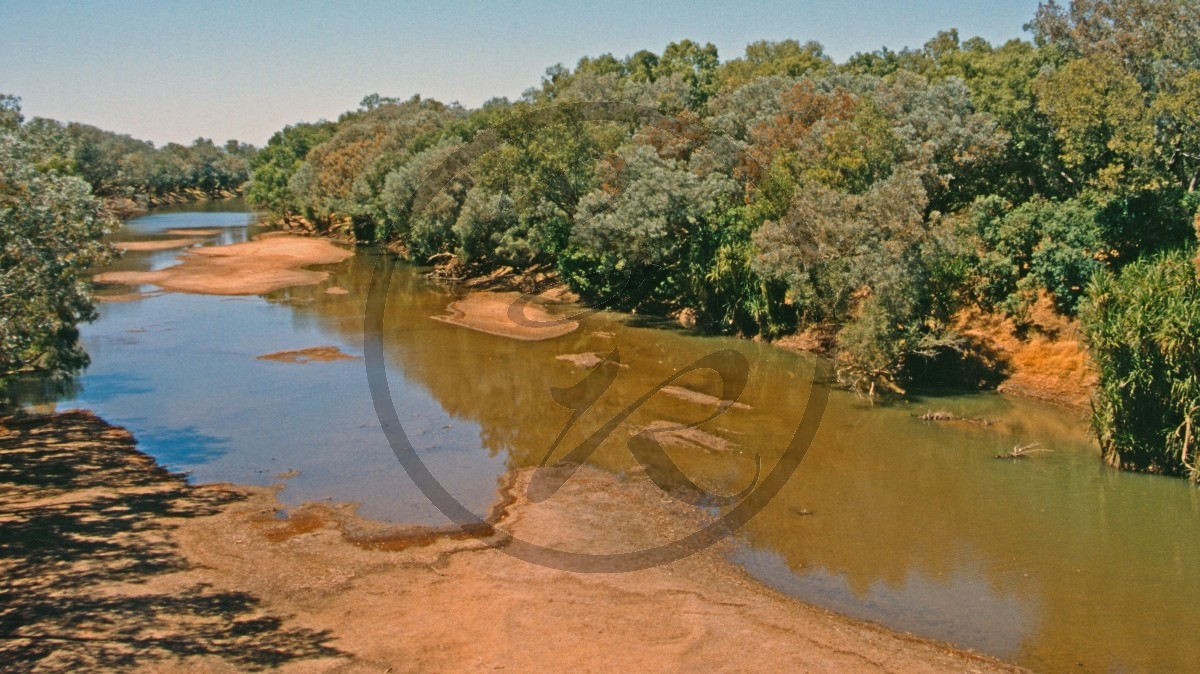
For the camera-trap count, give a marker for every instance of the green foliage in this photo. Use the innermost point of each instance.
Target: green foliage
(338, 186)
(1059, 246)
(1141, 327)
(643, 221)
(862, 260)
(118, 165)
(50, 230)
(787, 58)
(1102, 121)
(877, 198)
(426, 227)
(1120, 99)
(10, 113)
(1040, 245)
(274, 166)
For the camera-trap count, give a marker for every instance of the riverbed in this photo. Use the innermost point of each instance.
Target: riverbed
(1052, 561)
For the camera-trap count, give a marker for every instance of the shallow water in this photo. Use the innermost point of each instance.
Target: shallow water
(1053, 561)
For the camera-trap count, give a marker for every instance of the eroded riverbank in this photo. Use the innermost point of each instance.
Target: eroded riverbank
(113, 563)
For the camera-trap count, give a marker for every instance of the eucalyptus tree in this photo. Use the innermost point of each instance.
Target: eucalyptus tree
(50, 231)
(274, 166)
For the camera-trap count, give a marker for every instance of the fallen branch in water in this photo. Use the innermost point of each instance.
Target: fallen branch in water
(1020, 452)
(943, 415)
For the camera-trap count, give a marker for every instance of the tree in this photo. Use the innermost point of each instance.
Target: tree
(696, 64)
(1039, 245)
(50, 231)
(337, 188)
(1101, 118)
(863, 262)
(638, 228)
(273, 167)
(10, 113)
(787, 58)
(1120, 98)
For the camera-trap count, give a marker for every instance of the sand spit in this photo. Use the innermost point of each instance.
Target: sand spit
(587, 361)
(249, 268)
(163, 244)
(669, 434)
(314, 354)
(488, 312)
(701, 398)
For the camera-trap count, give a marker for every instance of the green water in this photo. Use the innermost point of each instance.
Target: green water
(1053, 561)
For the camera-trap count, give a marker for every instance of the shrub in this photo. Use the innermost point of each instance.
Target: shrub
(1143, 328)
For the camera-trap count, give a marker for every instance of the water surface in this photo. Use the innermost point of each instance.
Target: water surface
(1053, 561)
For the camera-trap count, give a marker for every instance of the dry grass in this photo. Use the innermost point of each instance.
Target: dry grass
(1047, 360)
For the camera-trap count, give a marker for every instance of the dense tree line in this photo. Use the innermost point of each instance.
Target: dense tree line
(117, 165)
(62, 188)
(875, 199)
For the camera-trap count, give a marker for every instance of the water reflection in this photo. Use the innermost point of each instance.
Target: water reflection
(1053, 561)
(1069, 562)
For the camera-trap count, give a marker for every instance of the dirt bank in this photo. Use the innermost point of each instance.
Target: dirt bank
(269, 262)
(489, 312)
(1044, 358)
(111, 563)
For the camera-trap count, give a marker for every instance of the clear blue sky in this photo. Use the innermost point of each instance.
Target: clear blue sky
(168, 70)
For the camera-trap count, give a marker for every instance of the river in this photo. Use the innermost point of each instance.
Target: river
(1054, 561)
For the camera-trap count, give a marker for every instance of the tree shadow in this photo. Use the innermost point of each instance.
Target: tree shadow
(82, 533)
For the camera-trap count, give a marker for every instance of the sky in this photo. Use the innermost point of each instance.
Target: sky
(172, 71)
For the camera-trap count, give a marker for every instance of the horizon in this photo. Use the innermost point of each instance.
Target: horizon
(228, 71)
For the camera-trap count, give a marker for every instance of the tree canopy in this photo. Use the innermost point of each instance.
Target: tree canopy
(875, 199)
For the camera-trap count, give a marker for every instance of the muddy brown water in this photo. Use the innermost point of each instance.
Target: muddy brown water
(1054, 561)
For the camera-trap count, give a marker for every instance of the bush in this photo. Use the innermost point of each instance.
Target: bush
(1143, 328)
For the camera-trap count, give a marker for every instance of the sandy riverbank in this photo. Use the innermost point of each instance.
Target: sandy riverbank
(112, 563)
(269, 262)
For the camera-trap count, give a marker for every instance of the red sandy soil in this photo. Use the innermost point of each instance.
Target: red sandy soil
(1047, 361)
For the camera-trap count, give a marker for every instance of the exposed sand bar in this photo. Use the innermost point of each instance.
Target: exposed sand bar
(671, 434)
(489, 312)
(701, 398)
(587, 361)
(163, 244)
(249, 268)
(222, 584)
(313, 354)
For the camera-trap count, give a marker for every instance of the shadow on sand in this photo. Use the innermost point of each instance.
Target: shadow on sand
(89, 577)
